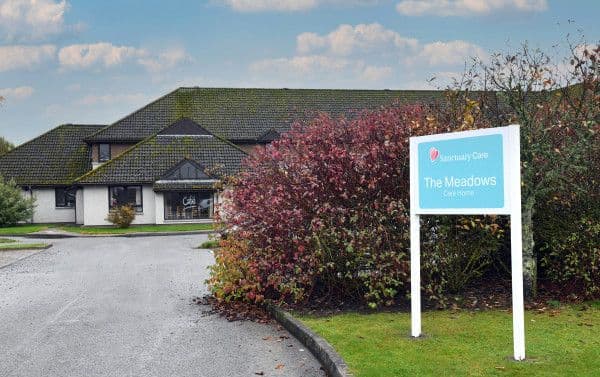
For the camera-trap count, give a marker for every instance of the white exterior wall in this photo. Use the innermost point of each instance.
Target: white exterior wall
(45, 208)
(79, 208)
(159, 207)
(149, 214)
(95, 204)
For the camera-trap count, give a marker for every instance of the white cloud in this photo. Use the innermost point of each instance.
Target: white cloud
(447, 53)
(288, 5)
(300, 65)
(270, 5)
(31, 19)
(93, 99)
(101, 54)
(347, 39)
(466, 7)
(164, 60)
(18, 93)
(107, 55)
(365, 55)
(18, 56)
(299, 68)
(373, 73)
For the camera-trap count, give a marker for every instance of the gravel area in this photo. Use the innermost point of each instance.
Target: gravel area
(123, 307)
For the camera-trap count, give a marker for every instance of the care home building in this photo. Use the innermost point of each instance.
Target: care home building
(165, 158)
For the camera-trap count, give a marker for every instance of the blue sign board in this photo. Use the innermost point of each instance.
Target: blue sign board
(469, 172)
(461, 173)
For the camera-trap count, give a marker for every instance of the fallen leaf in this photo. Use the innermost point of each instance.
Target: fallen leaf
(279, 366)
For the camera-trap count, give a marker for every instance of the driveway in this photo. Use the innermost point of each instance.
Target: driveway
(123, 307)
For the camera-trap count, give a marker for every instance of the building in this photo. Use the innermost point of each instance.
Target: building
(165, 157)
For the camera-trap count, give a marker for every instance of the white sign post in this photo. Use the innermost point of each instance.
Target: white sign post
(470, 173)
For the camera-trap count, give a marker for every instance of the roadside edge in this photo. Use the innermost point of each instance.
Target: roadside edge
(333, 364)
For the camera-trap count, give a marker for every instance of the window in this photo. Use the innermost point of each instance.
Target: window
(64, 197)
(188, 205)
(125, 195)
(103, 152)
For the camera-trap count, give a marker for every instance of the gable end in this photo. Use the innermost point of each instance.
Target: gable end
(184, 127)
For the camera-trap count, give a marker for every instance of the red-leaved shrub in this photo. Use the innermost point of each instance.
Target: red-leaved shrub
(321, 214)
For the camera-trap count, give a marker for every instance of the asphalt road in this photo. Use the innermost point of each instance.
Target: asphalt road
(123, 307)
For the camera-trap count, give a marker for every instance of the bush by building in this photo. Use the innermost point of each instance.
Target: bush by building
(122, 216)
(14, 206)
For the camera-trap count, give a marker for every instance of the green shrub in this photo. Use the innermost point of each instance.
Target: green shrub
(210, 244)
(569, 248)
(233, 277)
(14, 208)
(122, 216)
(456, 251)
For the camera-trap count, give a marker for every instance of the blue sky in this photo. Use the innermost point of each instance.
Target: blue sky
(97, 61)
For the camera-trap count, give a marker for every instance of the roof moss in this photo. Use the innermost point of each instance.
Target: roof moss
(54, 158)
(244, 114)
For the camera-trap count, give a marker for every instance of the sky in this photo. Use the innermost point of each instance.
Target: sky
(94, 62)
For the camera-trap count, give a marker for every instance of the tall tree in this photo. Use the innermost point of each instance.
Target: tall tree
(557, 104)
(5, 146)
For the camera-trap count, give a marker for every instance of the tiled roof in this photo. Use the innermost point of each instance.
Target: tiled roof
(246, 114)
(149, 160)
(182, 186)
(54, 158)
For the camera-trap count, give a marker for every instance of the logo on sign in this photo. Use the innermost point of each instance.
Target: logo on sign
(433, 154)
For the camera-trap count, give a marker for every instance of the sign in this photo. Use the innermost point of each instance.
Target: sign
(471, 172)
(461, 173)
(188, 202)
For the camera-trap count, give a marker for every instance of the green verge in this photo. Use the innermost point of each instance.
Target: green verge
(23, 229)
(564, 342)
(137, 228)
(7, 240)
(22, 246)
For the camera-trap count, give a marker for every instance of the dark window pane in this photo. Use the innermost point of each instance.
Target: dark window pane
(188, 205)
(186, 170)
(64, 197)
(126, 195)
(103, 152)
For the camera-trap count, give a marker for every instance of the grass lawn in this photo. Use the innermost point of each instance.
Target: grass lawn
(23, 229)
(29, 228)
(22, 246)
(6, 240)
(562, 342)
(137, 228)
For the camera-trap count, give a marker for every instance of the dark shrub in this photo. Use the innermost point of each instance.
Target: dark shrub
(570, 248)
(457, 250)
(14, 207)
